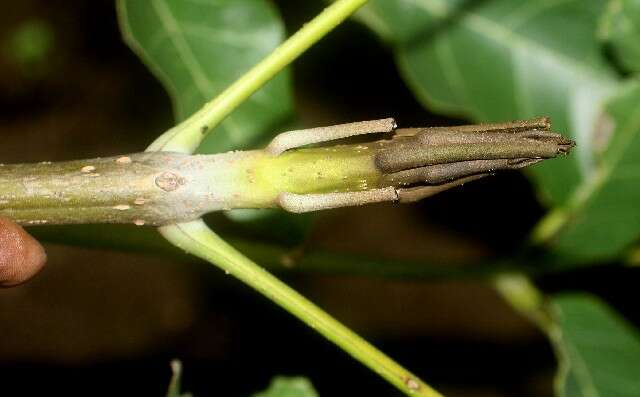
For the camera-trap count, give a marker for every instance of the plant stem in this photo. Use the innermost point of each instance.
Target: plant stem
(186, 136)
(196, 238)
(124, 189)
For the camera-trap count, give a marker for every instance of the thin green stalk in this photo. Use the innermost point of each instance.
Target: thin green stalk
(196, 238)
(186, 136)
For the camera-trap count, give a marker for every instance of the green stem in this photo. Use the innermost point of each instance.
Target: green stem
(186, 136)
(196, 238)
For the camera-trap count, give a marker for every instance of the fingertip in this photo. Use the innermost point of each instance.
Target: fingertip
(21, 256)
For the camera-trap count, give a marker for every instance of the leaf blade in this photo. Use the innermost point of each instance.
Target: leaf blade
(179, 42)
(603, 217)
(599, 351)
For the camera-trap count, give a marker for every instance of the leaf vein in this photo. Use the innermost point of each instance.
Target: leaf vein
(176, 36)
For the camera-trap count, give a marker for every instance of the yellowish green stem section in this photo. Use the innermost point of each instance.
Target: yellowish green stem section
(188, 135)
(347, 168)
(196, 238)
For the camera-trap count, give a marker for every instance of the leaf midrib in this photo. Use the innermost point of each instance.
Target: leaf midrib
(580, 368)
(177, 38)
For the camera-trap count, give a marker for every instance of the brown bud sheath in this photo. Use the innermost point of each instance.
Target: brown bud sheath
(21, 256)
(430, 146)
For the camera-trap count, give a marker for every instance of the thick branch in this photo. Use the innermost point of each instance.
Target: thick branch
(146, 188)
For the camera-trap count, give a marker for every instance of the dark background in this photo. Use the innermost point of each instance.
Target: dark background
(99, 322)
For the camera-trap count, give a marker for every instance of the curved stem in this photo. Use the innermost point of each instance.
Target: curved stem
(186, 136)
(196, 238)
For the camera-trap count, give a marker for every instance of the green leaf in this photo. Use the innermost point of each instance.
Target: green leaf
(198, 48)
(604, 216)
(30, 47)
(599, 351)
(504, 59)
(621, 28)
(288, 387)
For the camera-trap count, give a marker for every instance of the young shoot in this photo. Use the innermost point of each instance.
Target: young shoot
(159, 188)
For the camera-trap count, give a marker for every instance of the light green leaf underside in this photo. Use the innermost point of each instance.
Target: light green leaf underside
(600, 352)
(282, 386)
(504, 59)
(621, 28)
(604, 217)
(198, 47)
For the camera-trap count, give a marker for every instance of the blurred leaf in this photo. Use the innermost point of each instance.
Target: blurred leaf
(198, 48)
(599, 351)
(604, 216)
(621, 28)
(503, 59)
(30, 47)
(288, 387)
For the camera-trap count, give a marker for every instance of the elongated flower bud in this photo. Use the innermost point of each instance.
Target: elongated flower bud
(411, 164)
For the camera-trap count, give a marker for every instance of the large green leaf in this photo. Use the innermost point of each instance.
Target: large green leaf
(197, 48)
(621, 28)
(503, 59)
(599, 352)
(288, 387)
(604, 215)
